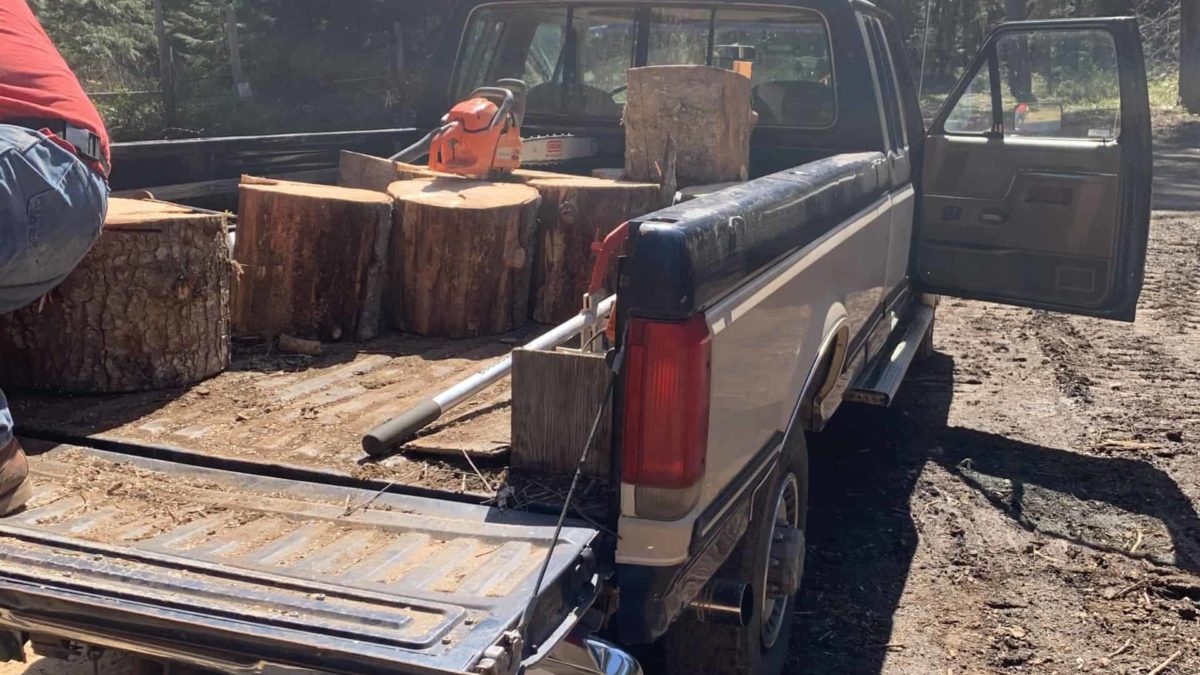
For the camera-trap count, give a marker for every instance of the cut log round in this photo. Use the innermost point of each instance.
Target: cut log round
(461, 256)
(706, 110)
(575, 212)
(147, 308)
(312, 260)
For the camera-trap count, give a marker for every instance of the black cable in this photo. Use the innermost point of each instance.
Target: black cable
(617, 362)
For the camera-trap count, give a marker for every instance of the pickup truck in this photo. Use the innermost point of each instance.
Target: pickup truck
(236, 526)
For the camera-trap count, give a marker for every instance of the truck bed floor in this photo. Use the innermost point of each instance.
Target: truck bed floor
(296, 410)
(290, 566)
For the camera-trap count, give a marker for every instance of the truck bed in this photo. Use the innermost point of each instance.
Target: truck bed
(132, 552)
(285, 409)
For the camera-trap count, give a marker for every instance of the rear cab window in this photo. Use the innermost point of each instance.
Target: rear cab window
(575, 57)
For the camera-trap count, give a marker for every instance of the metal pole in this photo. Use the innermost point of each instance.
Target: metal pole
(395, 431)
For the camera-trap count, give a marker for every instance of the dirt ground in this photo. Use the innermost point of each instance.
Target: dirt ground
(1030, 504)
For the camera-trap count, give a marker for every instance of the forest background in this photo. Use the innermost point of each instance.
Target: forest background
(192, 68)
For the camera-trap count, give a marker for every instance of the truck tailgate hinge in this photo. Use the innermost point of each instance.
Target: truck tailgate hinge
(502, 658)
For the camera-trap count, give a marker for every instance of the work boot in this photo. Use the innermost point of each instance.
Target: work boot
(15, 486)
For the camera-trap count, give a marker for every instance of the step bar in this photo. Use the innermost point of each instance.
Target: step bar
(879, 382)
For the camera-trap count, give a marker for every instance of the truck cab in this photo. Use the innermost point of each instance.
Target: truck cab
(745, 318)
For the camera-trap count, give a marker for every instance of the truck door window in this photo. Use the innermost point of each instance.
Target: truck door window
(973, 112)
(574, 59)
(1060, 84)
(792, 76)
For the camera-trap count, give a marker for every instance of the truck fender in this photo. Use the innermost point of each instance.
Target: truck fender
(823, 373)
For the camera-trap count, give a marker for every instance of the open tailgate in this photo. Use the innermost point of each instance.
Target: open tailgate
(253, 573)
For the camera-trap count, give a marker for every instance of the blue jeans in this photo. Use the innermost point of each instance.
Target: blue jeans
(52, 207)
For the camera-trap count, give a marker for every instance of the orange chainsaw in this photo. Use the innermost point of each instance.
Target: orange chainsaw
(481, 137)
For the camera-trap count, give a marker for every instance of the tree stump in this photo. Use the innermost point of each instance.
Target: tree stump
(575, 212)
(147, 308)
(461, 256)
(312, 260)
(706, 110)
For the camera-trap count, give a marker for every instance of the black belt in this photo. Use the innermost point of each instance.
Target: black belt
(87, 144)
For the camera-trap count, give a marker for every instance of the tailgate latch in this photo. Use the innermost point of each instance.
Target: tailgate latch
(502, 658)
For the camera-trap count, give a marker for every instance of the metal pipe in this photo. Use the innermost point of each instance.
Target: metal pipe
(395, 431)
(724, 601)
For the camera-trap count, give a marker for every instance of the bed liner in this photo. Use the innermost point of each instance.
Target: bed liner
(282, 409)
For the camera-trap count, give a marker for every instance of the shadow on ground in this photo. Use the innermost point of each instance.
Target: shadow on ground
(862, 539)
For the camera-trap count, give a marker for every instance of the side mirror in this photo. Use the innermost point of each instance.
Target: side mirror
(1043, 118)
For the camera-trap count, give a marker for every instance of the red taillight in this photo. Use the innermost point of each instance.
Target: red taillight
(666, 403)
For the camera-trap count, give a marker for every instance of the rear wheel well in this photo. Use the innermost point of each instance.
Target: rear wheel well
(831, 360)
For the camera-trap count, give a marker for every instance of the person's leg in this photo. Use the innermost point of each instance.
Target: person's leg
(15, 486)
(51, 209)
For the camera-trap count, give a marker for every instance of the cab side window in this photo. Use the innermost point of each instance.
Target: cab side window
(886, 79)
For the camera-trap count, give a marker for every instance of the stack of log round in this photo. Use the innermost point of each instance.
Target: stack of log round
(575, 212)
(147, 308)
(461, 256)
(311, 260)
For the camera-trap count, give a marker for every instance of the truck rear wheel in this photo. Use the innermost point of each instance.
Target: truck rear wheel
(761, 646)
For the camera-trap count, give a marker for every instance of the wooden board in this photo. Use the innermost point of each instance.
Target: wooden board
(146, 308)
(367, 172)
(706, 110)
(556, 395)
(312, 260)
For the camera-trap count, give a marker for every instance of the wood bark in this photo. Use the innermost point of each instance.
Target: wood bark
(147, 308)
(575, 212)
(461, 256)
(312, 260)
(1189, 55)
(556, 395)
(705, 110)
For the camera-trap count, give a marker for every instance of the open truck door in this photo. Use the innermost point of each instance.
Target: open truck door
(1037, 171)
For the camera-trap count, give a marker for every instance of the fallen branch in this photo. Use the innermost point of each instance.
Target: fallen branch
(295, 345)
(1165, 664)
(1122, 649)
(1128, 589)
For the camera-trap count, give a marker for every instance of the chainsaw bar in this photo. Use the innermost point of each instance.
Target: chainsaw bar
(556, 149)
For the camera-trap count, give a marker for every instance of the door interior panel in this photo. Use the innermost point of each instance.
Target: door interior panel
(1027, 200)
(1036, 217)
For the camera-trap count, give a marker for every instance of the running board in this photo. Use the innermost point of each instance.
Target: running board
(878, 384)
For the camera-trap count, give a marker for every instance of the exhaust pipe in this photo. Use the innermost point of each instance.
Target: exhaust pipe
(724, 601)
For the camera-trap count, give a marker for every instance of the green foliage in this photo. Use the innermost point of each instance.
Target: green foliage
(109, 42)
(320, 65)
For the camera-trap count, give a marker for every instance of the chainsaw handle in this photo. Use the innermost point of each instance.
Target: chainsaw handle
(504, 104)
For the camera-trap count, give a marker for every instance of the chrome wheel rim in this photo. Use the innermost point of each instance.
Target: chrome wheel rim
(775, 604)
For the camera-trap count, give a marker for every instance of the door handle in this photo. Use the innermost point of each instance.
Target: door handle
(994, 216)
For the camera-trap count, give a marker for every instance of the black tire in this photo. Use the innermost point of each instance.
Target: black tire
(691, 646)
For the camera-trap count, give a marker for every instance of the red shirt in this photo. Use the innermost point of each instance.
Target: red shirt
(35, 81)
